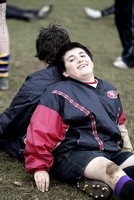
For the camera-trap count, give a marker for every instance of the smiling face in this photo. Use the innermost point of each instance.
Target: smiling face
(78, 65)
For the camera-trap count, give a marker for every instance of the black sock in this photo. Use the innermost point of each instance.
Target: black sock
(127, 191)
(129, 171)
(120, 183)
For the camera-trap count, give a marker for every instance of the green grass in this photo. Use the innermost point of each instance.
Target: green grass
(102, 39)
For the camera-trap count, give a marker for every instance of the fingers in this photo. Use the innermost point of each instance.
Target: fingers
(42, 180)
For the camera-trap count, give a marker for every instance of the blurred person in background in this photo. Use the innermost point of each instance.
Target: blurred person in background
(14, 12)
(4, 47)
(124, 20)
(97, 14)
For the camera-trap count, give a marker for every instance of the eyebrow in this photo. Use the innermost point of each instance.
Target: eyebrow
(79, 54)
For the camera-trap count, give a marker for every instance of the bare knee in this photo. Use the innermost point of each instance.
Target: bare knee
(104, 170)
(111, 169)
(97, 168)
(113, 174)
(101, 168)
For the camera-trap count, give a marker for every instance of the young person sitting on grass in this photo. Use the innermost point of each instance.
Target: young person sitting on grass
(15, 119)
(74, 131)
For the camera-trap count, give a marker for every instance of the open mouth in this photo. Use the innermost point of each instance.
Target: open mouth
(82, 66)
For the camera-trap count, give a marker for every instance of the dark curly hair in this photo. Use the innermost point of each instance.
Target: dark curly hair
(49, 42)
(71, 45)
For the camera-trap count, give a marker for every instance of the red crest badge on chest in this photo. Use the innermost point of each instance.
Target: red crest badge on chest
(112, 94)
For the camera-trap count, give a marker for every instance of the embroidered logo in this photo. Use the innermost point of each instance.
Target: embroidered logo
(112, 94)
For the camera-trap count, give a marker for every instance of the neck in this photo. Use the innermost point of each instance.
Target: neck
(46, 64)
(88, 79)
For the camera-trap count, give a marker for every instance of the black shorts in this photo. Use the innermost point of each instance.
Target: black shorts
(14, 148)
(69, 167)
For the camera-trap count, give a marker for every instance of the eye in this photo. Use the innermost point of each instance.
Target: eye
(83, 55)
(71, 59)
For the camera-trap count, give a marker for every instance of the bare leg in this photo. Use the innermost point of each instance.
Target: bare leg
(101, 173)
(128, 162)
(104, 170)
(4, 49)
(4, 35)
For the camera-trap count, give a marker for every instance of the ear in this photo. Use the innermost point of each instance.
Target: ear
(65, 74)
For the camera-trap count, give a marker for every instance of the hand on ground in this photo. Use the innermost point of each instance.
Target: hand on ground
(42, 180)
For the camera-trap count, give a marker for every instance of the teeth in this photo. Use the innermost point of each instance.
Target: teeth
(82, 66)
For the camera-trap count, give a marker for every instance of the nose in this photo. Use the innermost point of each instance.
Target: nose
(80, 60)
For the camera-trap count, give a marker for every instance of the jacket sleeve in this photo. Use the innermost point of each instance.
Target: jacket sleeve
(127, 143)
(15, 119)
(122, 119)
(45, 131)
(124, 133)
